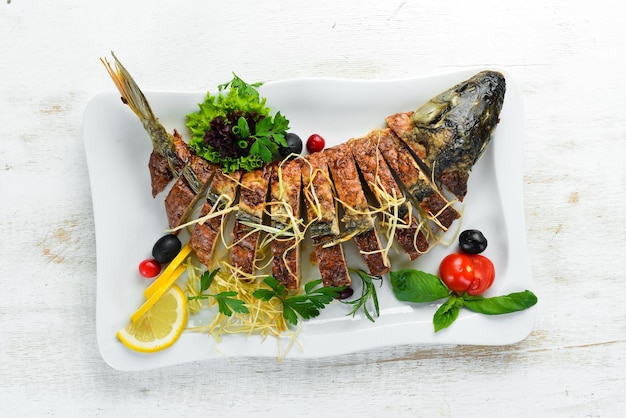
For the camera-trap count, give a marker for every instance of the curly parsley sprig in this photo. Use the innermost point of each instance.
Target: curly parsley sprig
(303, 306)
(227, 303)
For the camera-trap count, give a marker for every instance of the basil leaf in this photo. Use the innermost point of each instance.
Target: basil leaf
(447, 313)
(417, 286)
(498, 305)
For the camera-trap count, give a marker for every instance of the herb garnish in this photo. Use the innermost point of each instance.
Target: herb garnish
(302, 306)
(417, 286)
(367, 293)
(236, 130)
(226, 301)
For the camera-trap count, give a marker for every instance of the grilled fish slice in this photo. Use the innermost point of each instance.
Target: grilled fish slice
(252, 197)
(450, 132)
(322, 218)
(318, 192)
(382, 184)
(285, 188)
(220, 197)
(422, 192)
(181, 200)
(160, 173)
(357, 219)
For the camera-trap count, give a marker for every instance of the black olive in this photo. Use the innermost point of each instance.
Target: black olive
(294, 145)
(472, 241)
(345, 293)
(166, 248)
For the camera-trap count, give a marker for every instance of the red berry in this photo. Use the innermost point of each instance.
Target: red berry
(149, 268)
(315, 143)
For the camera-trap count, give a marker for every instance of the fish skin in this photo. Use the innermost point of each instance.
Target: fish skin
(451, 131)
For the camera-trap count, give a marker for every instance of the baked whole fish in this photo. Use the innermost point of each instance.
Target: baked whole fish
(411, 162)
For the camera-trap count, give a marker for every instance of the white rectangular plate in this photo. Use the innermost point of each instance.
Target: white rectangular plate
(128, 221)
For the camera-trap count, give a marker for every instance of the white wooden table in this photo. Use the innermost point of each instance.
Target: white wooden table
(568, 58)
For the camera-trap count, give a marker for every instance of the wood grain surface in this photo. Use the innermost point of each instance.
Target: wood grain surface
(568, 58)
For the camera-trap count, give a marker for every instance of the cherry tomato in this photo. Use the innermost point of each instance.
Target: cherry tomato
(149, 268)
(467, 273)
(484, 273)
(315, 143)
(456, 272)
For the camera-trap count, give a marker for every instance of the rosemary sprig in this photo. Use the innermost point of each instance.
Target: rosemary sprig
(367, 293)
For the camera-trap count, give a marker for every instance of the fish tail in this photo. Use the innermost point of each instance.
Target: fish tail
(128, 88)
(162, 142)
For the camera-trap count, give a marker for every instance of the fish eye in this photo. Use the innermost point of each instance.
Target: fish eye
(462, 88)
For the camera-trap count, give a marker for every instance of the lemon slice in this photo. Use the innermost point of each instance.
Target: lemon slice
(160, 326)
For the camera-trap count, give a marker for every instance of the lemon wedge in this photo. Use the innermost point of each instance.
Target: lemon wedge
(160, 326)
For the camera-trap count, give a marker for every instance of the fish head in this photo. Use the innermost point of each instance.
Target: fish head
(474, 102)
(455, 127)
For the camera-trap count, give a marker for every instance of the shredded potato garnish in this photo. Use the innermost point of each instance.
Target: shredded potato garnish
(265, 318)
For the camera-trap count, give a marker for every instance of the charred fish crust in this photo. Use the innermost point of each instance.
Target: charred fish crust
(421, 191)
(223, 189)
(418, 185)
(285, 194)
(331, 263)
(221, 195)
(160, 173)
(383, 185)
(318, 194)
(450, 132)
(178, 201)
(357, 219)
(348, 189)
(323, 224)
(187, 192)
(253, 195)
